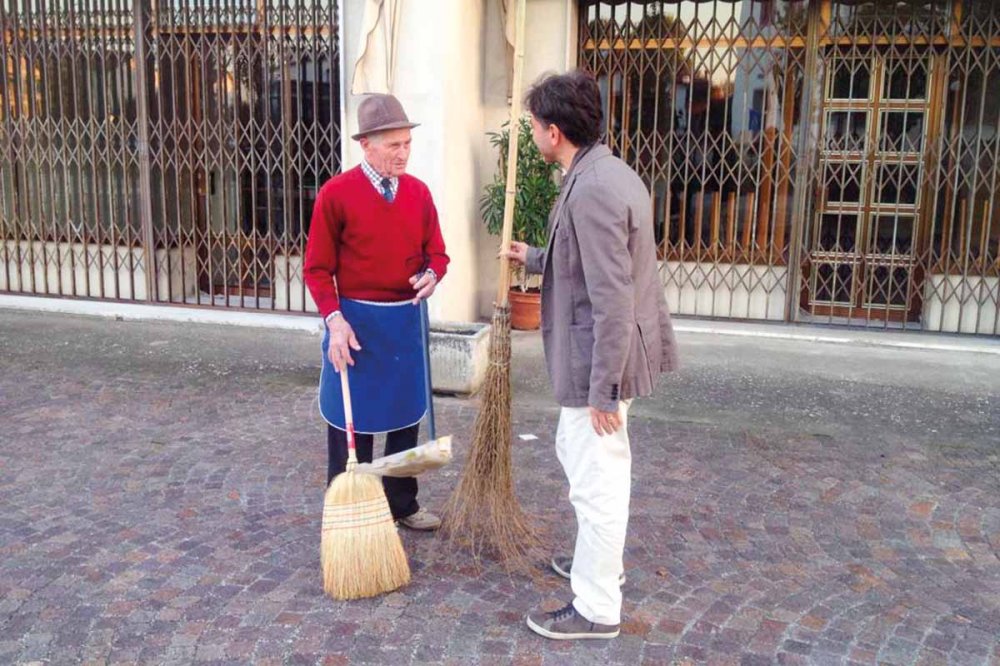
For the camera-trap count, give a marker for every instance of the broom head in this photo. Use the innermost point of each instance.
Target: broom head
(360, 551)
(483, 514)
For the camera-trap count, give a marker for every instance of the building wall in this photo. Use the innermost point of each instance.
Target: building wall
(550, 46)
(452, 77)
(439, 69)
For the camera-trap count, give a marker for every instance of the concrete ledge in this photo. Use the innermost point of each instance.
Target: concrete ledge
(162, 312)
(311, 324)
(459, 351)
(843, 336)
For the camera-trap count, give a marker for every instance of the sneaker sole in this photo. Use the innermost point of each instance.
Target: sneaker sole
(419, 529)
(565, 574)
(569, 637)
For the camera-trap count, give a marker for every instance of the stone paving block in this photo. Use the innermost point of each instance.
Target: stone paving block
(203, 473)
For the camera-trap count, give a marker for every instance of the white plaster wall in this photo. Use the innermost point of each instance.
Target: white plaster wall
(93, 271)
(550, 46)
(955, 304)
(289, 290)
(438, 78)
(738, 291)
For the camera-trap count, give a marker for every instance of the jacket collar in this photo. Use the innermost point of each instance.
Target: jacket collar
(584, 158)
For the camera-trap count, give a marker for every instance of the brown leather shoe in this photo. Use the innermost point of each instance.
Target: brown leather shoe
(422, 521)
(566, 624)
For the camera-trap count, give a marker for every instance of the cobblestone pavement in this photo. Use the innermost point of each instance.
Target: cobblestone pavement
(161, 489)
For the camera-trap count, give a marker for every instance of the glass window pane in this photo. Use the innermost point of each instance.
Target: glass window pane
(852, 17)
(892, 235)
(851, 79)
(897, 183)
(887, 286)
(846, 131)
(713, 129)
(902, 131)
(843, 182)
(837, 233)
(834, 283)
(905, 79)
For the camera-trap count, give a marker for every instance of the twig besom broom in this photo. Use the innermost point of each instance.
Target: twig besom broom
(361, 553)
(483, 513)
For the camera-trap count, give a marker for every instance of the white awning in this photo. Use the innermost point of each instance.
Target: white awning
(376, 62)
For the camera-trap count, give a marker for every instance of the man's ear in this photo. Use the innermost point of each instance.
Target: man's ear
(555, 134)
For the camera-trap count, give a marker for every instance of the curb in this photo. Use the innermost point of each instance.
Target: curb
(310, 323)
(985, 348)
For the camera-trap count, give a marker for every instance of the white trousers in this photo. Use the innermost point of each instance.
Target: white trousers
(599, 469)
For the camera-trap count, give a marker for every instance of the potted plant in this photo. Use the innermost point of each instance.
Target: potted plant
(536, 192)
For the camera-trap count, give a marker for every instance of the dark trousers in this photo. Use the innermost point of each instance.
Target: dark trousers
(401, 493)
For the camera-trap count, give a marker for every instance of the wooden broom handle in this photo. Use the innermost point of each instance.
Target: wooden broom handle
(345, 388)
(515, 123)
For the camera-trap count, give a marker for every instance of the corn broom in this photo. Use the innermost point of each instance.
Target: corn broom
(361, 553)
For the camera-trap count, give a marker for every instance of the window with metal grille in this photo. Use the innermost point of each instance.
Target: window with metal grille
(194, 133)
(828, 161)
(703, 99)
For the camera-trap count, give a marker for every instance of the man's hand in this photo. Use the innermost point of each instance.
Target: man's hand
(342, 341)
(518, 253)
(605, 423)
(424, 284)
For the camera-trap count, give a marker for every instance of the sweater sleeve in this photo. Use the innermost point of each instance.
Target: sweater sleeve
(321, 254)
(434, 251)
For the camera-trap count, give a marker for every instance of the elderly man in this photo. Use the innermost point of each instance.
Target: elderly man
(375, 237)
(607, 336)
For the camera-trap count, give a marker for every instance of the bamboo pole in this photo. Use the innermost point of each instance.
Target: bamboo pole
(503, 286)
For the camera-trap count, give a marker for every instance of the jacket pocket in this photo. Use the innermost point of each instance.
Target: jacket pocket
(649, 341)
(581, 357)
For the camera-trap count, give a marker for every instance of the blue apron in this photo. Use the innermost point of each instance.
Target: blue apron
(387, 378)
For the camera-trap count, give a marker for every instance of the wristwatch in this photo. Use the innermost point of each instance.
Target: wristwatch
(329, 317)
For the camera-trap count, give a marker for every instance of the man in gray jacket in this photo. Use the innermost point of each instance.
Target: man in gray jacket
(607, 337)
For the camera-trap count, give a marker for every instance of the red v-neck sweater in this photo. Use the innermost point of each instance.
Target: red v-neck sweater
(361, 246)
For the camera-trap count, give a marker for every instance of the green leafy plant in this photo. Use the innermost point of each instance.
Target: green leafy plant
(536, 189)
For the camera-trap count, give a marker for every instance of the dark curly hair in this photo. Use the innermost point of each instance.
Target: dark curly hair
(571, 102)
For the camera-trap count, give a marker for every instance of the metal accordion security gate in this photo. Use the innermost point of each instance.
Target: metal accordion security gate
(165, 151)
(821, 161)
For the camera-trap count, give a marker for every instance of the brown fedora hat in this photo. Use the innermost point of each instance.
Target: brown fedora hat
(378, 112)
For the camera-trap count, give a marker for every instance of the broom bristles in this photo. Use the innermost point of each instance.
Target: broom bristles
(483, 513)
(361, 553)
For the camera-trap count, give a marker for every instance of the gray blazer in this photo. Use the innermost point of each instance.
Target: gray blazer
(605, 324)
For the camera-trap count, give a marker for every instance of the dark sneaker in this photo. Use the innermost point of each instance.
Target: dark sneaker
(422, 521)
(566, 624)
(562, 564)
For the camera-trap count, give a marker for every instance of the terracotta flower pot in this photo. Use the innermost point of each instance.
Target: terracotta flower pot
(525, 309)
